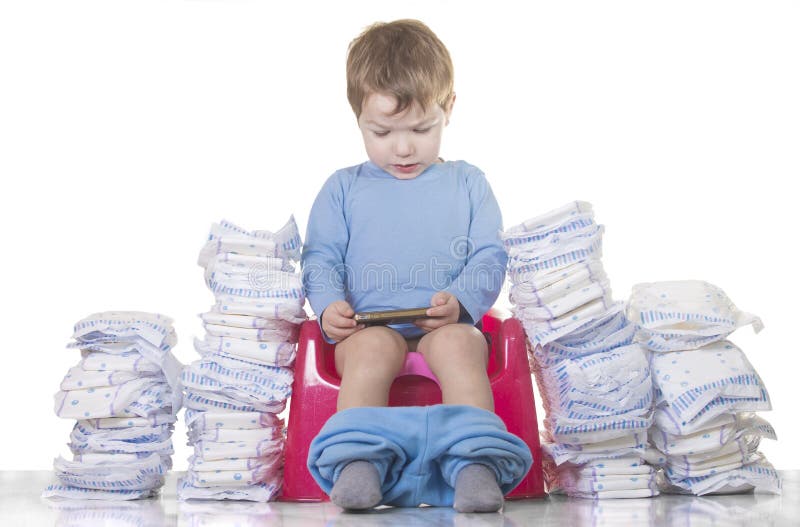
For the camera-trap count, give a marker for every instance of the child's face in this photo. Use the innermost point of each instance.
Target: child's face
(404, 145)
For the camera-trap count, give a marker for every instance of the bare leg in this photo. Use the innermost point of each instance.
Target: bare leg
(368, 361)
(457, 354)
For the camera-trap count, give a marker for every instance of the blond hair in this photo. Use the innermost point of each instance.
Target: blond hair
(403, 58)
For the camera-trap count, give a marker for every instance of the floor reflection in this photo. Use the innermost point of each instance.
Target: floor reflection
(20, 505)
(98, 513)
(226, 514)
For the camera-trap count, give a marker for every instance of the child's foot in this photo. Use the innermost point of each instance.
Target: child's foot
(477, 490)
(358, 486)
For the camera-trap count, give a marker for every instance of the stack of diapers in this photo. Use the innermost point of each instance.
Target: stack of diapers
(124, 393)
(705, 435)
(234, 392)
(554, 265)
(594, 380)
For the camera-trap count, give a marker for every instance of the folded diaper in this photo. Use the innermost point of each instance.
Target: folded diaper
(683, 315)
(558, 351)
(285, 334)
(256, 492)
(573, 215)
(760, 476)
(731, 432)
(130, 361)
(214, 450)
(694, 387)
(125, 325)
(523, 263)
(210, 400)
(285, 242)
(289, 309)
(276, 352)
(271, 284)
(211, 420)
(143, 474)
(631, 445)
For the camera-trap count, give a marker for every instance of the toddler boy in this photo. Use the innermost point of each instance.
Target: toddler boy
(405, 229)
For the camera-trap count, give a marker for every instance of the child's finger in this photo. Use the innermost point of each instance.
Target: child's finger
(438, 311)
(428, 325)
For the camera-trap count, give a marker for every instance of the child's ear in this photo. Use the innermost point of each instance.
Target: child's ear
(449, 109)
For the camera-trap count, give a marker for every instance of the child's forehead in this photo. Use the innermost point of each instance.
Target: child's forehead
(381, 106)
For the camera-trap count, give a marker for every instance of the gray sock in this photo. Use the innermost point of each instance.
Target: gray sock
(477, 490)
(358, 486)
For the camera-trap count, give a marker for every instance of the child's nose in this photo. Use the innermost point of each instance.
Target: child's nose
(403, 147)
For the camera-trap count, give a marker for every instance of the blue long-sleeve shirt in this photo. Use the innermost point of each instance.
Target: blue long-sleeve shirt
(379, 242)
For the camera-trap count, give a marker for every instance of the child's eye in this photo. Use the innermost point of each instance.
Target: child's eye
(424, 130)
(381, 134)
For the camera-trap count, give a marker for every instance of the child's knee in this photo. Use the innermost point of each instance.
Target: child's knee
(377, 349)
(456, 344)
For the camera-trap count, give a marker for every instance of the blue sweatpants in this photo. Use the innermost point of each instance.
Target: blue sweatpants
(418, 450)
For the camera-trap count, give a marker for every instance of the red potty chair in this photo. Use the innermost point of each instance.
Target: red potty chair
(316, 388)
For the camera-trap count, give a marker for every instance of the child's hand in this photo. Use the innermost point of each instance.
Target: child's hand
(338, 322)
(445, 308)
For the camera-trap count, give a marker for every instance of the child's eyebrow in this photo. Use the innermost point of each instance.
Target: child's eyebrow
(424, 122)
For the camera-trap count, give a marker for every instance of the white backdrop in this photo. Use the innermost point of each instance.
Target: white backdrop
(127, 127)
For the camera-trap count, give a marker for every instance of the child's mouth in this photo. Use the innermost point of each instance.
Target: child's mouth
(406, 169)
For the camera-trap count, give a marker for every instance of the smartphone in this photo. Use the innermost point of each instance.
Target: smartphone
(396, 316)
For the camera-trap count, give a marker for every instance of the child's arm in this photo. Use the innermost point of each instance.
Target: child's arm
(324, 250)
(479, 283)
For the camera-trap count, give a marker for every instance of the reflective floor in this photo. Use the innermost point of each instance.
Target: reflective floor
(21, 504)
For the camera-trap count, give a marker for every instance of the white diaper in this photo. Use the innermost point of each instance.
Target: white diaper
(737, 431)
(582, 431)
(628, 464)
(231, 420)
(560, 216)
(696, 386)
(268, 353)
(626, 447)
(262, 473)
(289, 309)
(287, 333)
(568, 301)
(77, 378)
(244, 321)
(684, 315)
(545, 240)
(144, 474)
(124, 422)
(108, 401)
(131, 361)
(543, 332)
(214, 401)
(272, 285)
(760, 476)
(286, 242)
(212, 450)
(562, 255)
(123, 325)
(608, 383)
(258, 492)
(200, 465)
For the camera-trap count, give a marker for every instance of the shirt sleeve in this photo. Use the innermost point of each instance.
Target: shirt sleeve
(322, 260)
(479, 284)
